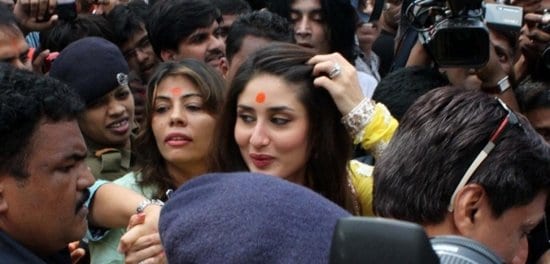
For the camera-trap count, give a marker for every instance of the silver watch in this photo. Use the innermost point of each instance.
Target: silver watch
(141, 207)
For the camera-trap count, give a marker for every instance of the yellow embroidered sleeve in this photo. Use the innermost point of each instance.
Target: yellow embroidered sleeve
(370, 125)
(376, 135)
(361, 178)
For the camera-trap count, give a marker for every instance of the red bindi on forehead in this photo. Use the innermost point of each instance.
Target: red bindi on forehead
(176, 91)
(260, 97)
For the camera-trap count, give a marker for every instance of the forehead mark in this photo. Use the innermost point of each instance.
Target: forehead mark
(176, 91)
(260, 97)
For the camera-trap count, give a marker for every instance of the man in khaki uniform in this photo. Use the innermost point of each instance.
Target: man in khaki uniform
(97, 70)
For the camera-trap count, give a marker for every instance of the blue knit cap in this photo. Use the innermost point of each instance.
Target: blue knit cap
(247, 218)
(91, 66)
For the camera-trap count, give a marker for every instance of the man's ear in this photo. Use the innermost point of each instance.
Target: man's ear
(167, 55)
(470, 204)
(224, 67)
(3, 202)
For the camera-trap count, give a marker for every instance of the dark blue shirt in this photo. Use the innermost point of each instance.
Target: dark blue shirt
(13, 252)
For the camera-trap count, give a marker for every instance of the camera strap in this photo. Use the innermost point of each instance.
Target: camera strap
(377, 10)
(406, 41)
(404, 49)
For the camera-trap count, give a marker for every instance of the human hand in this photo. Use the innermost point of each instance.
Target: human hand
(528, 5)
(475, 78)
(335, 74)
(140, 225)
(147, 249)
(136, 219)
(39, 62)
(418, 56)
(76, 252)
(533, 38)
(35, 15)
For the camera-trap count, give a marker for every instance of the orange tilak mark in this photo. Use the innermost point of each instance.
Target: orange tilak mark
(176, 91)
(260, 97)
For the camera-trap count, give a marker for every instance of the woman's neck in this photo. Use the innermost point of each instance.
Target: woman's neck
(182, 172)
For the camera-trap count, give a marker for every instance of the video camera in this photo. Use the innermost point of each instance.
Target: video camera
(455, 31)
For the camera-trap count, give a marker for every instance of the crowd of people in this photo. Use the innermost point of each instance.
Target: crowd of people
(214, 131)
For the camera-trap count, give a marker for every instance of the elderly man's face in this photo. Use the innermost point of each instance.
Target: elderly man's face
(46, 211)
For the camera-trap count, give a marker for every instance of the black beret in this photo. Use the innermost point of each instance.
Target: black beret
(91, 66)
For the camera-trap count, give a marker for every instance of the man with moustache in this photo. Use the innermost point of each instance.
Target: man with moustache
(43, 177)
(182, 29)
(45, 185)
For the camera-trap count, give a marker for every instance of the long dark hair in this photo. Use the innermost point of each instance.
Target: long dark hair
(329, 144)
(149, 160)
(340, 23)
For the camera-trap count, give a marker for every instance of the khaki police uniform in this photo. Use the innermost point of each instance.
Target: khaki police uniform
(108, 163)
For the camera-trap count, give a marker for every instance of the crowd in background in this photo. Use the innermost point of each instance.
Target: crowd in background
(118, 107)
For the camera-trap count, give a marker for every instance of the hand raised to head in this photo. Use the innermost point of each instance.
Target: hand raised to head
(334, 73)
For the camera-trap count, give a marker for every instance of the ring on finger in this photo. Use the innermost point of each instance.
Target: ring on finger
(335, 71)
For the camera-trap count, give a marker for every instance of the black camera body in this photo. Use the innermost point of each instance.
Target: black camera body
(459, 43)
(454, 31)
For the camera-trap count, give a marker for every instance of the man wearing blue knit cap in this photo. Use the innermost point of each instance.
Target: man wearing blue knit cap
(247, 218)
(96, 69)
